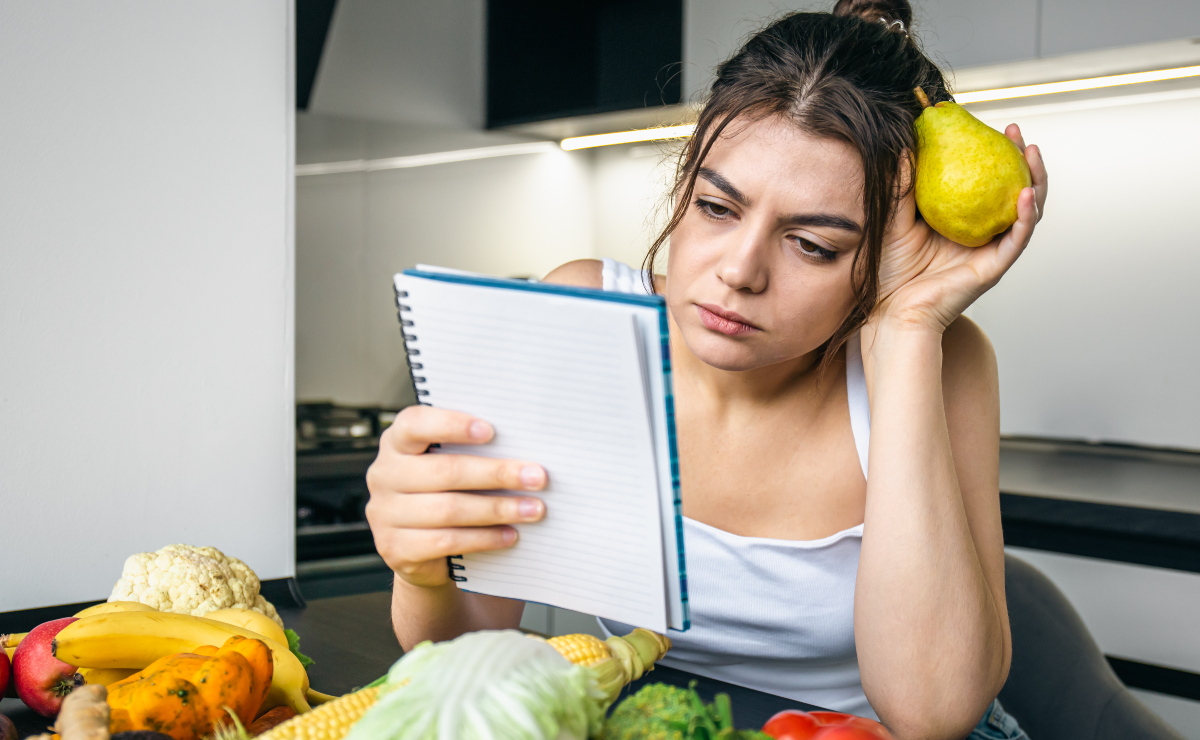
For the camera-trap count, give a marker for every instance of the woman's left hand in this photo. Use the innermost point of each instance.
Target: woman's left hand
(928, 281)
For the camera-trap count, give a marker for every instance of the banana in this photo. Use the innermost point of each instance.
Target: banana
(10, 642)
(137, 639)
(251, 620)
(115, 606)
(105, 676)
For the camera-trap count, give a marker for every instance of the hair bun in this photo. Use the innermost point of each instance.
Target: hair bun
(887, 11)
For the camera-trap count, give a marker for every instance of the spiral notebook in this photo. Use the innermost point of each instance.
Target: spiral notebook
(578, 380)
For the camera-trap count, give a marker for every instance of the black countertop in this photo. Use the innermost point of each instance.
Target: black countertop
(350, 639)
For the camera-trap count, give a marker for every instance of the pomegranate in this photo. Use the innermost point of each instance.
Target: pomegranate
(43, 680)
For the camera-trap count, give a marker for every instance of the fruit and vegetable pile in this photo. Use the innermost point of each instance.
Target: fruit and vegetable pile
(187, 649)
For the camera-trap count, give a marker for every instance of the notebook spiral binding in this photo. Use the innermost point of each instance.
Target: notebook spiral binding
(417, 381)
(410, 351)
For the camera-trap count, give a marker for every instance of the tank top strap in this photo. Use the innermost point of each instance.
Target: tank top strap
(856, 395)
(621, 278)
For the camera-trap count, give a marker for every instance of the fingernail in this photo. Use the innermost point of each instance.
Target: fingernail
(530, 508)
(532, 476)
(479, 430)
(509, 537)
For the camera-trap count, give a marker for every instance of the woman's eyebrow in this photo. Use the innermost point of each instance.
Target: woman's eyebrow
(827, 220)
(719, 182)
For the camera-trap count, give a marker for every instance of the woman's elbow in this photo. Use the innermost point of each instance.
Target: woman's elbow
(948, 712)
(933, 722)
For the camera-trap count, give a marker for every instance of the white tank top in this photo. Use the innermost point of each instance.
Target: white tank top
(772, 615)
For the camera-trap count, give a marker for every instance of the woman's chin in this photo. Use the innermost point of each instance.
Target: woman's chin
(725, 353)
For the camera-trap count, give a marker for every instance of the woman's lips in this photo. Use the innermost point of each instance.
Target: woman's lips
(726, 322)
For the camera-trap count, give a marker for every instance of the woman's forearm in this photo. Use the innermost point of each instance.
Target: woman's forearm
(928, 626)
(444, 612)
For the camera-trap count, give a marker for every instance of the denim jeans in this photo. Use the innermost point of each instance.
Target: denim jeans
(997, 724)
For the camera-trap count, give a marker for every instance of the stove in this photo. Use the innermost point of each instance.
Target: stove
(334, 447)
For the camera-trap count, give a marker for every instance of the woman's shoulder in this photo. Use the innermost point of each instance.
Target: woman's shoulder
(965, 346)
(969, 372)
(606, 274)
(584, 273)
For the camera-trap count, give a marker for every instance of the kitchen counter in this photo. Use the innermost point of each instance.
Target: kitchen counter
(1124, 504)
(350, 639)
(351, 642)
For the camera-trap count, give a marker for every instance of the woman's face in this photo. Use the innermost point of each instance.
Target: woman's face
(760, 264)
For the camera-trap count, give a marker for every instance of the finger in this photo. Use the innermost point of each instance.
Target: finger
(417, 427)
(1014, 132)
(420, 545)
(1018, 236)
(1037, 171)
(456, 509)
(430, 473)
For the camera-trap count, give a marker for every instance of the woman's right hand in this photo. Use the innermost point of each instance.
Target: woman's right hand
(419, 510)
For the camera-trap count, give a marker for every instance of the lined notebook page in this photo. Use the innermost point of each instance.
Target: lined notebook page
(563, 386)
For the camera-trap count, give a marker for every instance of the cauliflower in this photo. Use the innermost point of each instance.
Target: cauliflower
(191, 580)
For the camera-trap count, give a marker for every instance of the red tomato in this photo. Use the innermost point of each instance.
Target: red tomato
(793, 724)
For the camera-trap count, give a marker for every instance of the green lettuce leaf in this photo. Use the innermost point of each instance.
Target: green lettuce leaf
(491, 685)
(294, 646)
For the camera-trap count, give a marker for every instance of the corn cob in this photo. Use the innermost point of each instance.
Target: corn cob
(330, 721)
(616, 662)
(584, 650)
(629, 657)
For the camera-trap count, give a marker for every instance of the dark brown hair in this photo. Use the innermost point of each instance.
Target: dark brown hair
(847, 75)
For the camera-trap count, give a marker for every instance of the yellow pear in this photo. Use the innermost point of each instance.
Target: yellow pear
(968, 174)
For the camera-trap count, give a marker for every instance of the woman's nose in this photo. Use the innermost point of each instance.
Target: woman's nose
(743, 265)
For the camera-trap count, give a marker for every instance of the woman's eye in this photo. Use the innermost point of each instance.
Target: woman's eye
(816, 252)
(713, 210)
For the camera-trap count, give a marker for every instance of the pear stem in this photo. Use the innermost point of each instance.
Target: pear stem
(921, 96)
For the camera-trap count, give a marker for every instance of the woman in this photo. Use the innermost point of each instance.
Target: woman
(797, 259)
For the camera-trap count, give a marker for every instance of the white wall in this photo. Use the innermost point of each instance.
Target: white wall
(1095, 327)
(400, 78)
(629, 198)
(514, 216)
(146, 290)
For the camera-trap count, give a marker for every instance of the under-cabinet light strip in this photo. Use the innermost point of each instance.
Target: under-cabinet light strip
(981, 96)
(628, 137)
(1091, 83)
(423, 160)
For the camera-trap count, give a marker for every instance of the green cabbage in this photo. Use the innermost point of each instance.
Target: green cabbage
(492, 685)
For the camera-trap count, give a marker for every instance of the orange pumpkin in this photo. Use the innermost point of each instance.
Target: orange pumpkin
(170, 705)
(262, 667)
(181, 664)
(227, 680)
(184, 695)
